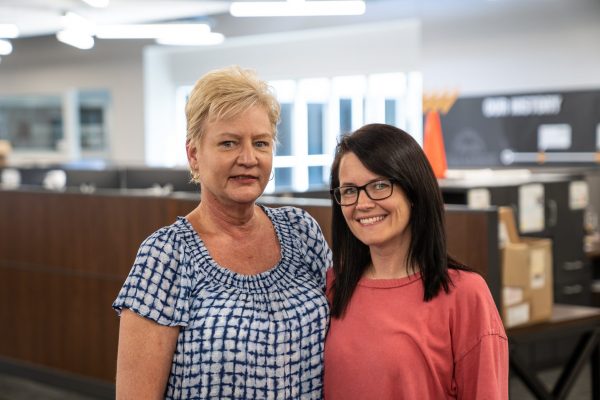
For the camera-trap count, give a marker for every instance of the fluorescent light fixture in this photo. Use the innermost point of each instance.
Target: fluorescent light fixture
(73, 20)
(75, 38)
(5, 47)
(150, 31)
(9, 31)
(97, 3)
(206, 39)
(294, 8)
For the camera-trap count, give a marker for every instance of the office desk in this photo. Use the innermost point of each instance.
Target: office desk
(566, 320)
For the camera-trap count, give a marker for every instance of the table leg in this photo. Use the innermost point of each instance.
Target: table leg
(533, 383)
(595, 371)
(582, 353)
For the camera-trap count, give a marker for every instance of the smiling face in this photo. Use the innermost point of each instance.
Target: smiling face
(377, 223)
(233, 158)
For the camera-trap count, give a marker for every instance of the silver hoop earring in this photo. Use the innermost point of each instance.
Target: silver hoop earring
(272, 176)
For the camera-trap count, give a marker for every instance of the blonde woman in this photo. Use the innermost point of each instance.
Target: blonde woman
(228, 301)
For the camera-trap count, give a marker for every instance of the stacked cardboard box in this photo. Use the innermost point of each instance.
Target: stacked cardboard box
(526, 266)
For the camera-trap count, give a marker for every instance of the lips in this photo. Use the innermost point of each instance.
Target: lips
(243, 177)
(371, 220)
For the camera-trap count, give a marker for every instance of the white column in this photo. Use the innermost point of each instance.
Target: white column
(70, 146)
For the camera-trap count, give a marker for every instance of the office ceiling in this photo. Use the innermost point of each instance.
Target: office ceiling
(43, 17)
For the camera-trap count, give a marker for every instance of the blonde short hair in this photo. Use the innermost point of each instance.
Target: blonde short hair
(226, 93)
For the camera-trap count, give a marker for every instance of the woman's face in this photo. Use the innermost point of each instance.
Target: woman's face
(376, 223)
(233, 159)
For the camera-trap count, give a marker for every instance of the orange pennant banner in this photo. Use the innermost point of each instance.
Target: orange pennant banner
(433, 144)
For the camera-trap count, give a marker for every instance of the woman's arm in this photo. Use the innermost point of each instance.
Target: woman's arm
(480, 344)
(483, 372)
(144, 358)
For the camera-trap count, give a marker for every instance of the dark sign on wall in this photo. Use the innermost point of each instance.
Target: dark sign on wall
(550, 128)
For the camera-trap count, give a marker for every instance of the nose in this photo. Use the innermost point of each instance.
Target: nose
(247, 155)
(364, 201)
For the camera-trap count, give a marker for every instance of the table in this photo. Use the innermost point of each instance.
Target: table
(566, 320)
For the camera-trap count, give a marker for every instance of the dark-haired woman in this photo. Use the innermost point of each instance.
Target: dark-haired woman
(408, 321)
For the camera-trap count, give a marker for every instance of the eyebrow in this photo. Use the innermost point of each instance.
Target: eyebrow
(237, 135)
(371, 181)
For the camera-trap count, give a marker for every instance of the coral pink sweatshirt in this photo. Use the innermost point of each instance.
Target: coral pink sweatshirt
(391, 344)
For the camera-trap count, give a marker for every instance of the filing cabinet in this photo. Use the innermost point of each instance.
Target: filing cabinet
(552, 214)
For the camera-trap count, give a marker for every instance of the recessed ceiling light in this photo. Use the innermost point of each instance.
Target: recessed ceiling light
(293, 8)
(150, 31)
(76, 39)
(206, 39)
(5, 47)
(9, 31)
(97, 3)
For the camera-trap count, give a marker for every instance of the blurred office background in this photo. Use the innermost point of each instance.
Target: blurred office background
(92, 147)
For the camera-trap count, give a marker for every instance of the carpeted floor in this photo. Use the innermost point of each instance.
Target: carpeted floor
(14, 388)
(581, 390)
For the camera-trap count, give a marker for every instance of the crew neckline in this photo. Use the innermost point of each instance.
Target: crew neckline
(390, 283)
(261, 282)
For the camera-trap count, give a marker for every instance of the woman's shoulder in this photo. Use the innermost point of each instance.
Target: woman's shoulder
(289, 213)
(474, 314)
(296, 218)
(305, 235)
(469, 287)
(169, 237)
(466, 279)
(471, 293)
(179, 228)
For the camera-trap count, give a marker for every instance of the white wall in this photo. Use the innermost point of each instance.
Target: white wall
(391, 46)
(545, 45)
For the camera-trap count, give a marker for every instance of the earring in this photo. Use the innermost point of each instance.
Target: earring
(272, 176)
(195, 175)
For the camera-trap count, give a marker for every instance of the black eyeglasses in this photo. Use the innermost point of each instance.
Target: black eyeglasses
(376, 190)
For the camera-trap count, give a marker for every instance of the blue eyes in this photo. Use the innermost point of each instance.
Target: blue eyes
(228, 144)
(348, 191)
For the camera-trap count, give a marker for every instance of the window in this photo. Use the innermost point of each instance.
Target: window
(345, 115)
(284, 131)
(72, 125)
(390, 111)
(93, 124)
(315, 112)
(31, 122)
(283, 176)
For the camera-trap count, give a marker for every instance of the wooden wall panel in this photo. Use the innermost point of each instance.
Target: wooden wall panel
(472, 237)
(64, 257)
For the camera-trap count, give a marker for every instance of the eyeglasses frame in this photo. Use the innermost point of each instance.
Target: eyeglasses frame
(363, 188)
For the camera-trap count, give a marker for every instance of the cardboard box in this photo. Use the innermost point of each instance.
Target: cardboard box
(516, 314)
(507, 231)
(527, 281)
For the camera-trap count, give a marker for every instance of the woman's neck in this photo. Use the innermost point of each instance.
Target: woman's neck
(387, 264)
(213, 217)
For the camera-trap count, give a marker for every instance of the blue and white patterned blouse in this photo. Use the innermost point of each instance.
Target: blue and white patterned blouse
(242, 336)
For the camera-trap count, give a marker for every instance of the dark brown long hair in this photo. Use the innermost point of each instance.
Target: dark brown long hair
(390, 152)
